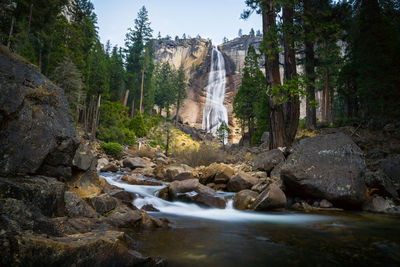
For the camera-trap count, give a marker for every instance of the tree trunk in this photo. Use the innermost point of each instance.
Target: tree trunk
(292, 107)
(40, 60)
(49, 56)
(328, 103)
(311, 119)
(11, 32)
(89, 115)
(178, 105)
(273, 75)
(168, 140)
(323, 105)
(132, 108)
(95, 117)
(126, 98)
(29, 24)
(141, 93)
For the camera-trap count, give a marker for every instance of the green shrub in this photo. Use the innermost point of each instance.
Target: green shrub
(112, 149)
(138, 125)
(116, 134)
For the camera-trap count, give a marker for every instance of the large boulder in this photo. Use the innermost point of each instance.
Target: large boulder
(270, 199)
(268, 160)
(103, 203)
(77, 207)
(96, 248)
(243, 199)
(376, 204)
(180, 171)
(136, 162)
(391, 168)
(84, 158)
(328, 167)
(218, 173)
(381, 184)
(191, 190)
(37, 133)
(110, 167)
(44, 193)
(240, 182)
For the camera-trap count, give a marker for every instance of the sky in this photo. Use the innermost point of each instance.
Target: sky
(214, 19)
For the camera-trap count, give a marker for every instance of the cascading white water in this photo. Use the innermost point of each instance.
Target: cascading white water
(147, 195)
(214, 112)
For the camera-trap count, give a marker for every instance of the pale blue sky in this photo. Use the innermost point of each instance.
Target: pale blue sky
(212, 19)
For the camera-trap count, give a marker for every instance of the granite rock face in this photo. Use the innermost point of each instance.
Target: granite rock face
(195, 55)
(36, 130)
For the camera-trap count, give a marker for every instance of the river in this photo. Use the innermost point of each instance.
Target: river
(202, 236)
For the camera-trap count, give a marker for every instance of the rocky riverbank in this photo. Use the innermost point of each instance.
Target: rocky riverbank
(325, 172)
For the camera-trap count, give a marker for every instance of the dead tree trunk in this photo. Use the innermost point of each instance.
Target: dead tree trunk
(126, 98)
(11, 32)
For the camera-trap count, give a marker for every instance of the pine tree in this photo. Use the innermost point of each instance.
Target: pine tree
(117, 75)
(135, 42)
(67, 76)
(247, 105)
(180, 87)
(223, 133)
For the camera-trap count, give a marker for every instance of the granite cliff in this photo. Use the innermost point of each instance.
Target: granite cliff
(195, 56)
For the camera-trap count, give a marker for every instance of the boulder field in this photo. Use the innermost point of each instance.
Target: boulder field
(325, 172)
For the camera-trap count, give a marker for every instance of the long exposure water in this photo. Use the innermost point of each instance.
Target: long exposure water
(215, 112)
(202, 236)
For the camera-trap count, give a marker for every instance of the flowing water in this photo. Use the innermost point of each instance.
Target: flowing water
(215, 112)
(227, 237)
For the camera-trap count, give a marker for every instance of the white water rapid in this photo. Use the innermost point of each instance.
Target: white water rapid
(214, 112)
(147, 195)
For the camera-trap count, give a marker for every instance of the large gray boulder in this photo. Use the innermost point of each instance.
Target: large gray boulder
(271, 198)
(268, 160)
(77, 207)
(84, 158)
(376, 204)
(37, 133)
(243, 199)
(193, 191)
(136, 162)
(44, 193)
(328, 167)
(391, 168)
(240, 182)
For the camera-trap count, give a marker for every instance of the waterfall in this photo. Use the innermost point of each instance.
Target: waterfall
(214, 110)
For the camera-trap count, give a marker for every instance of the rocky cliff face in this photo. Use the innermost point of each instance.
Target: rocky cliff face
(55, 219)
(36, 124)
(195, 55)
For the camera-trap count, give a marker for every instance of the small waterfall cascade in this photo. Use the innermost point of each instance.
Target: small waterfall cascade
(214, 110)
(147, 194)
